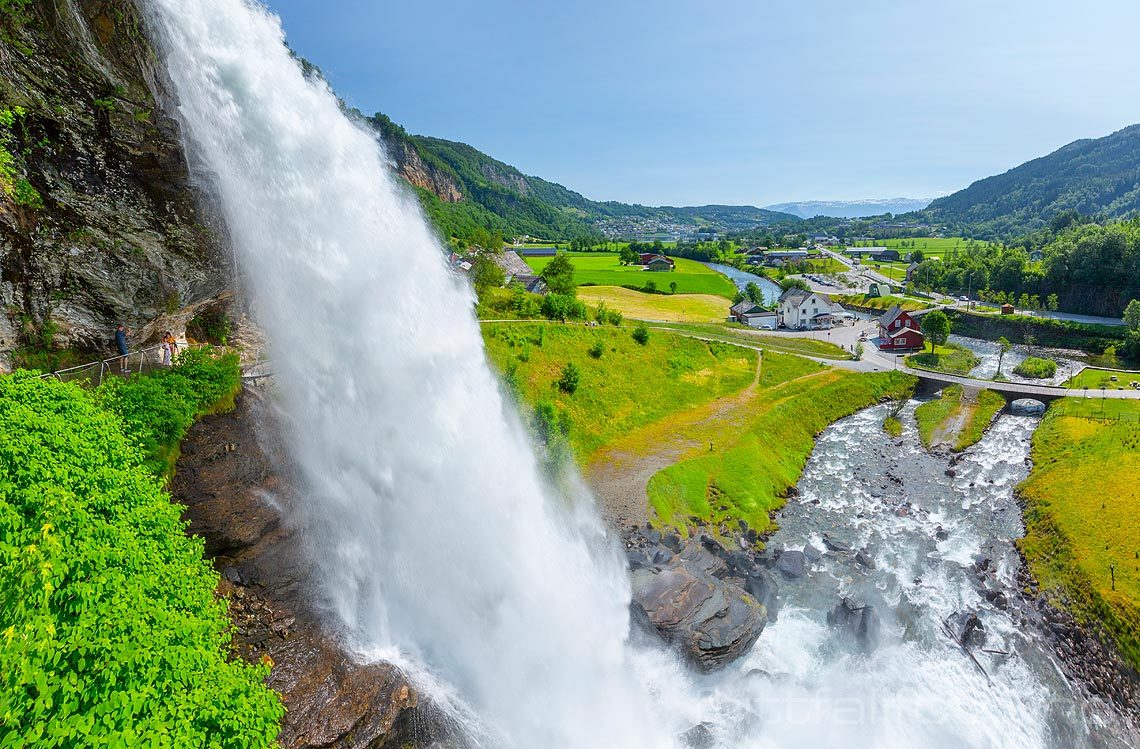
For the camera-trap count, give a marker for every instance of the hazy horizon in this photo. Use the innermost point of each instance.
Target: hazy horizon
(750, 105)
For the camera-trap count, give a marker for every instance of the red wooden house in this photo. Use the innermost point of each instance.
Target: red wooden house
(899, 331)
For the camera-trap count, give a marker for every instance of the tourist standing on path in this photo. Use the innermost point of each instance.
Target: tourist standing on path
(169, 348)
(121, 333)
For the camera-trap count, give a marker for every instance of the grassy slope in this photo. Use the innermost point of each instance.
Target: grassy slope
(1080, 513)
(933, 415)
(749, 473)
(981, 414)
(784, 343)
(664, 307)
(603, 269)
(629, 386)
(950, 358)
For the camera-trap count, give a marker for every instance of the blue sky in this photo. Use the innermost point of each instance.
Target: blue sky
(684, 103)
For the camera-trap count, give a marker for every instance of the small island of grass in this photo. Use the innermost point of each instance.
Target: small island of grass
(1036, 368)
(950, 358)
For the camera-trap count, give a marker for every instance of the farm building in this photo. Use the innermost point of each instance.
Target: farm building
(1007, 309)
(653, 261)
(899, 331)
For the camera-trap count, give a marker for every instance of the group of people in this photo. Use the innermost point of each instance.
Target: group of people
(168, 344)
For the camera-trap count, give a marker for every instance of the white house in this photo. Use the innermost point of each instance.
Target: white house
(808, 310)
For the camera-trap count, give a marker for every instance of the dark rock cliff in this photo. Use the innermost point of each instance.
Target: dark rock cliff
(99, 220)
(239, 499)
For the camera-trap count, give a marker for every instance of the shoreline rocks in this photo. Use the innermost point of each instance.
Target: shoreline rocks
(695, 599)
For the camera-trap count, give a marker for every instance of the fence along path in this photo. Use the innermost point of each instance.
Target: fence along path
(138, 362)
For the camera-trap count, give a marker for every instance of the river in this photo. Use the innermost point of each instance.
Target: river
(1068, 364)
(925, 533)
(741, 278)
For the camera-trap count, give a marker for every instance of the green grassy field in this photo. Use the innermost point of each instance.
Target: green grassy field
(638, 305)
(748, 474)
(1035, 367)
(949, 358)
(603, 269)
(934, 415)
(880, 302)
(1101, 379)
(627, 386)
(786, 344)
(930, 246)
(1080, 516)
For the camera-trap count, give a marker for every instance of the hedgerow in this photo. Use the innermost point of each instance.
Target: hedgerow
(110, 631)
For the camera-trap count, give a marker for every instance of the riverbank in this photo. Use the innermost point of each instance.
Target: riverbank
(957, 419)
(1081, 543)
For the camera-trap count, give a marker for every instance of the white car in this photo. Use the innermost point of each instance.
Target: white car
(963, 299)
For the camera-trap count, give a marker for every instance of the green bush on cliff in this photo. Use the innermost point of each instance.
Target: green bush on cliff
(110, 631)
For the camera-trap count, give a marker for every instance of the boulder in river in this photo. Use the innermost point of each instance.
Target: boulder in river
(761, 586)
(698, 737)
(857, 623)
(791, 563)
(713, 621)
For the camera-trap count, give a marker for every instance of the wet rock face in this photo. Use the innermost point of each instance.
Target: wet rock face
(856, 623)
(116, 233)
(692, 603)
(238, 501)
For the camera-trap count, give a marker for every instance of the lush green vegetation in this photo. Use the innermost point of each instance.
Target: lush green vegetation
(1094, 177)
(664, 307)
(1080, 515)
(13, 184)
(159, 408)
(748, 475)
(893, 426)
(1035, 367)
(935, 415)
(1084, 267)
(110, 631)
(957, 419)
(742, 334)
(863, 301)
(1041, 331)
(1092, 378)
(950, 358)
(627, 386)
(497, 198)
(604, 269)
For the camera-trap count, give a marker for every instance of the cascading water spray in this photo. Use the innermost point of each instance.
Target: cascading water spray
(428, 523)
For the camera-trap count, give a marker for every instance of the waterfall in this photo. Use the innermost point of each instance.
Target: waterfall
(428, 523)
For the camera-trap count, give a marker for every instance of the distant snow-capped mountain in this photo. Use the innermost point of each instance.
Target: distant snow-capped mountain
(851, 208)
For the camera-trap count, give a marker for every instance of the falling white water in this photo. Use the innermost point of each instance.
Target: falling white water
(430, 527)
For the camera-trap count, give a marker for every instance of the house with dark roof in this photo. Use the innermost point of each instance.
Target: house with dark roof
(517, 271)
(753, 315)
(655, 262)
(899, 331)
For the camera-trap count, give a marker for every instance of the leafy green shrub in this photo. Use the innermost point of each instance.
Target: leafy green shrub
(641, 334)
(212, 326)
(568, 382)
(110, 631)
(563, 307)
(1036, 368)
(597, 350)
(159, 408)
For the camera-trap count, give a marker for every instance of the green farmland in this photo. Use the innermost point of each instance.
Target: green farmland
(603, 269)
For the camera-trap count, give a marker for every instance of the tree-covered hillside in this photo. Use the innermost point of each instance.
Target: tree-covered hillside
(1095, 177)
(467, 194)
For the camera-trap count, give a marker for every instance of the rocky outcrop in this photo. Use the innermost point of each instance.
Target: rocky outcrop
(99, 219)
(415, 170)
(687, 598)
(238, 501)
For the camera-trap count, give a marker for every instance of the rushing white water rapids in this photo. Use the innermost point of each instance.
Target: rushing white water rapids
(436, 542)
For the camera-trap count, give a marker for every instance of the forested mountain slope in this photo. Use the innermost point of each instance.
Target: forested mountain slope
(1095, 177)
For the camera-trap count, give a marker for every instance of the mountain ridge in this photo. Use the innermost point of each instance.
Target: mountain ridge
(850, 208)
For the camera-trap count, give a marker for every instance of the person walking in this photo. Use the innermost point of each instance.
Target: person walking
(121, 333)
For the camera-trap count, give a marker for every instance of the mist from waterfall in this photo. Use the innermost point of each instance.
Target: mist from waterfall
(430, 527)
